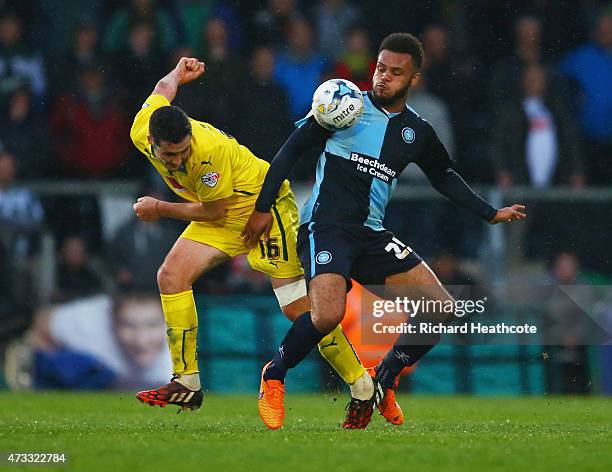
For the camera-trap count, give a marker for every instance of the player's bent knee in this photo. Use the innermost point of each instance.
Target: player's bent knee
(163, 278)
(169, 280)
(327, 315)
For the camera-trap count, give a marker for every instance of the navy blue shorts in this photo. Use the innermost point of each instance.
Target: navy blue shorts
(354, 252)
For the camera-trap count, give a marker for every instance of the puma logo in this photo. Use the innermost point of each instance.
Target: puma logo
(208, 162)
(332, 343)
(402, 356)
(275, 264)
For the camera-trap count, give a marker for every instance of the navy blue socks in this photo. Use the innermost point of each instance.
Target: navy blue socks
(397, 358)
(301, 338)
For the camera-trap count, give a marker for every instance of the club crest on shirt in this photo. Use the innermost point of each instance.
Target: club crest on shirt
(210, 179)
(408, 135)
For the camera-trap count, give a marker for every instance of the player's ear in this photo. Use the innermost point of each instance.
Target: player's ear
(415, 79)
(150, 139)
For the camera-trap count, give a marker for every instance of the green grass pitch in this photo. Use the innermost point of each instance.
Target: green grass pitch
(112, 432)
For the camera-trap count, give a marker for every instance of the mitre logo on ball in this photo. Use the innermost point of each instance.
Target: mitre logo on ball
(337, 104)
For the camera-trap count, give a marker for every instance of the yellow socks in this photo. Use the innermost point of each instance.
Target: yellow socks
(182, 331)
(338, 351)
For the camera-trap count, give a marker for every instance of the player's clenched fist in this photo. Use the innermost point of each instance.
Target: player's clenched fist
(188, 69)
(146, 208)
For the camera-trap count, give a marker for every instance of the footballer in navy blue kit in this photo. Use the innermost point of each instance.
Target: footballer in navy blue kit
(341, 224)
(341, 233)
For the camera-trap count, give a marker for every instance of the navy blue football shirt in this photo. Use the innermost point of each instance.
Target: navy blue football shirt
(359, 166)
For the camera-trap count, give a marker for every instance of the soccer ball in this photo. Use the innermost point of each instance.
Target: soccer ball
(337, 104)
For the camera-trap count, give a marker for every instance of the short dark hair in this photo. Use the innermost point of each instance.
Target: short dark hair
(404, 43)
(170, 124)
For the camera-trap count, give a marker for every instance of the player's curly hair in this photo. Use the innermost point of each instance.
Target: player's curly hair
(169, 124)
(404, 43)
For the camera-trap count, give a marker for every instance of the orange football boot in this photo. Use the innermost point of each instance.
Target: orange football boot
(388, 406)
(271, 401)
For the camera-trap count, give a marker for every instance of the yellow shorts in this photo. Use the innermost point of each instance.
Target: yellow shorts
(278, 258)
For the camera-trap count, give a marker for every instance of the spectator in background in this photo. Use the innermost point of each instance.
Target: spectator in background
(506, 83)
(75, 276)
(535, 140)
(18, 64)
(266, 125)
(333, 19)
(21, 214)
(223, 76)
(535, 143)
(82, 120)
(101, 343)
(438, 67)
(567, 370)
(117, 34)
(138, 249)
(454, 80)
(356, 63)
(21, 220)
(84, 51)
(590, 67)
(299, 68)
(271, 24)
(231, 13)
(139, 64)
(489, 25)
(207, 99)
(58, 20)
(194, 14)
(25, 134)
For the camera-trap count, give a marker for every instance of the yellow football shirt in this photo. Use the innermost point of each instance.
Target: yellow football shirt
(218, 167)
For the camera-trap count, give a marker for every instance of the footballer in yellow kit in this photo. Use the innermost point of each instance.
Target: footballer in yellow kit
(219, 168)
(220, 180)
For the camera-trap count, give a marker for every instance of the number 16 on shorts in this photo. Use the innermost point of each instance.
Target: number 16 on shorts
(270, 250)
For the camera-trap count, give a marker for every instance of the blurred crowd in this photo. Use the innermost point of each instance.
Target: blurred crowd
(519, 92)
(503, 81)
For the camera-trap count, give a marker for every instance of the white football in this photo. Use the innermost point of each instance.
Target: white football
(337, 104)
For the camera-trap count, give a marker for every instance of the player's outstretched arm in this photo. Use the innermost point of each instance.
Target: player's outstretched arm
(187, 69)
(438, 167)
(452, 186)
